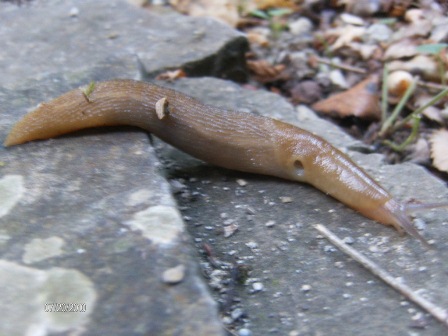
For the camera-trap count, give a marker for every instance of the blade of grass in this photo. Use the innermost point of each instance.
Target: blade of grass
(391, 119)
(410, 139)
(418, 111)
(384, 94)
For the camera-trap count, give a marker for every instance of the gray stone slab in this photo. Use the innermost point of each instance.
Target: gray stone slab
(309, 287)
(94, 205)
(45, 37)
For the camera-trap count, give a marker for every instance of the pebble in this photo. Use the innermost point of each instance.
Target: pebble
(74, 12)
(379, 32)
(348, 240)
(241, 182)
(419, 224)
(229, 230)
(329, 248)
(174, 275)
(300, 26)
(285, 199)
(244, 332)
(252, 245)
(305, 288)
(227, 320)
(270, 223)
(352, 19)
(257, 286)
(236, 313)
(338, 79)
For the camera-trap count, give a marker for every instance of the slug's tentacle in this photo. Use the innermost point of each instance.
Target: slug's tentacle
(398, 217)
(230, 139)
(412, 207)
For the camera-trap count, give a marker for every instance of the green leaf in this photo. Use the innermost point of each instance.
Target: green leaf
(388, 21)
(260, 14)
(279, 12)
(433, 48)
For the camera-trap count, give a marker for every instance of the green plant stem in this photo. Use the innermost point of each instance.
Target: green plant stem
(384, 94)
(418, 111)
(441, 69)
(410, 139)
(391, 119)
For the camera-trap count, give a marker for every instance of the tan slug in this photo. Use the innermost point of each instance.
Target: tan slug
(229, 139)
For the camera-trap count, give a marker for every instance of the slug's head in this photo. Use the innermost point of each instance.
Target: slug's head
(394, 213)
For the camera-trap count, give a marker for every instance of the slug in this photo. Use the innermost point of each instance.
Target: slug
(230, 139)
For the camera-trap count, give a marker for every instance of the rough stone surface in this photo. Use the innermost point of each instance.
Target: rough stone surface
(102, 192)
(57, 42)
(291, 255)
(33, 294)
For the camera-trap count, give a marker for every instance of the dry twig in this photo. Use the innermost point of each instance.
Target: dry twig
(436, 311)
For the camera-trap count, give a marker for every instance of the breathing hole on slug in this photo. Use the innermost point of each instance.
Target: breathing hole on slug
(298, 166)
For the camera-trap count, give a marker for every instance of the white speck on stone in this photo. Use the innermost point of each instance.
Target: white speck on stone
(161, 224)
(348, 240)
(236, 313)
(241, 182)
(257, 286)
(352, 19)
(338, 79)
(11, 191)
(74, 12)
(41, 249)
(139, 197)
(252, 245)
(26, 291)
(244, 332)
(229, 230)
(300, 26)
(227, 320)
(339, 264)
(305, 288)
(270, 223)
(285, 199)
(174, 275)
(379, 32)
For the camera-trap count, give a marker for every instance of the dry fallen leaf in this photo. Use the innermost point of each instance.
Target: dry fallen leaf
(265, 72)
(346, 35)
(361, 101)
(420, 153)
(419, 24)
(223, 10)
(439, 149)
(422, 64)
(171, 75)
(398, 82)
(305, 92)
(431, 112)
(265, 4)
(258, 36)
(403, 48)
